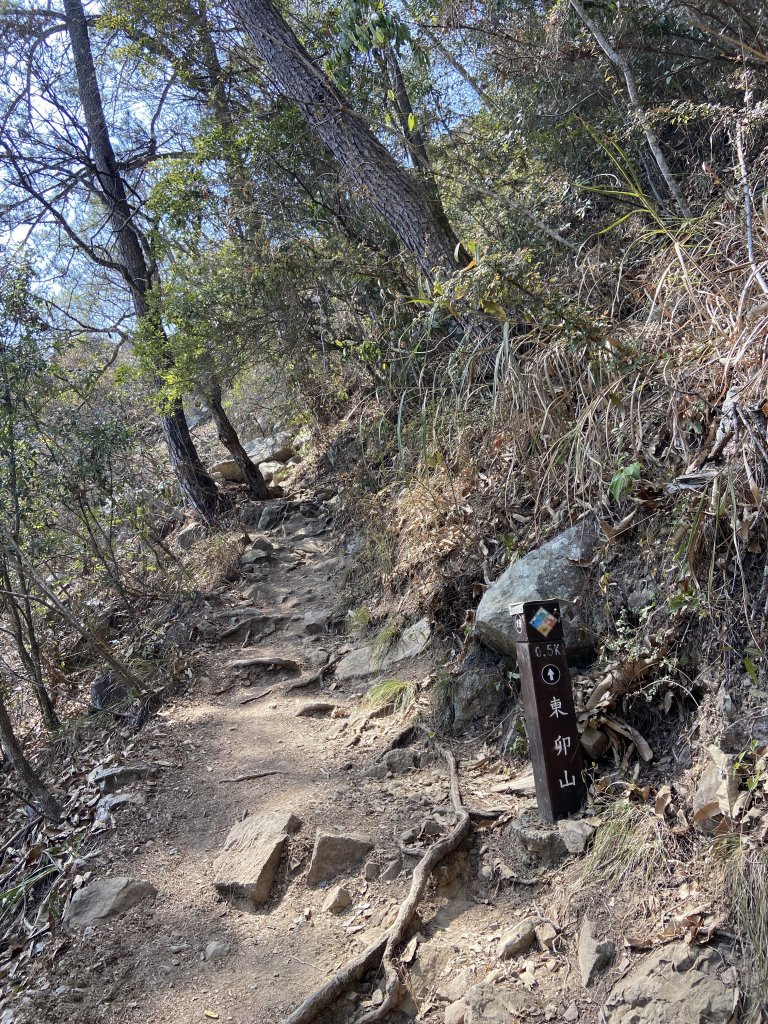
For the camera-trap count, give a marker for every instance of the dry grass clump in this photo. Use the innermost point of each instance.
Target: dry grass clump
(213, 562)
(385, 641)
(400, 694)
(628, 847)
(746, 892)
(652, 404)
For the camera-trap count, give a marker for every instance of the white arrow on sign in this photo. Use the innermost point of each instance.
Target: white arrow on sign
(550, 674)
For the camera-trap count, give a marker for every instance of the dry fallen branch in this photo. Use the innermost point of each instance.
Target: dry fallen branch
(256, 696)
(385, 947)
(250, 776)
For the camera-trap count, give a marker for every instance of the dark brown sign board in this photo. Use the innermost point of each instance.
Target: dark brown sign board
(550, 716)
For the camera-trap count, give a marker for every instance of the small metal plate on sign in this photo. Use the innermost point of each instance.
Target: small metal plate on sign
(537, 620)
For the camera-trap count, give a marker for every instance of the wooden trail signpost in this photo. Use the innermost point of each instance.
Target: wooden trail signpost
(550, 716)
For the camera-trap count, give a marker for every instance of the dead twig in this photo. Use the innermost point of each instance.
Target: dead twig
(251, 775)
(256, 696)
(384, 948)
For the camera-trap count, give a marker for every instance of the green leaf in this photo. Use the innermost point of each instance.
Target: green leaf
(623, 479)
(411, 122)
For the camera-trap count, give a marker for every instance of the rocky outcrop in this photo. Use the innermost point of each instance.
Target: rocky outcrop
(364, 662)
(105, 898)
(478, 688)
(247, 865)
(555, 571)
(277, 448)
(677, 984)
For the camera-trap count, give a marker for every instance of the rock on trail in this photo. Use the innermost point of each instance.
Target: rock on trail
(334, 854)
(247, 866)
(105, 898)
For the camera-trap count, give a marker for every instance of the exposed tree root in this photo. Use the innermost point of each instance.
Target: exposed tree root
(329, 993)
(274, 662)
(315, 677)
(385, 947)
(256, 696)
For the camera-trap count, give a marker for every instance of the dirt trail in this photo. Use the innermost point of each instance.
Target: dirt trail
(149, 963)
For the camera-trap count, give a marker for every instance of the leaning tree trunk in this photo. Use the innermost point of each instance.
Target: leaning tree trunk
(399, 197)
(31, 781)
(257, 485)
(196, 485)
(198, 488)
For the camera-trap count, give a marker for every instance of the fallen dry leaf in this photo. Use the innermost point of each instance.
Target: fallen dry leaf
(663, 799)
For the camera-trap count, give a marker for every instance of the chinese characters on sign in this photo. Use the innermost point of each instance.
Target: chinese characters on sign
(550, 716)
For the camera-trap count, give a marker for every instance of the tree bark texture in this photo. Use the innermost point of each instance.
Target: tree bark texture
(30, 780)
(196, 485)
(198, 488)
(397, 196)
(136, 269)
(257, 485)
(414, 137)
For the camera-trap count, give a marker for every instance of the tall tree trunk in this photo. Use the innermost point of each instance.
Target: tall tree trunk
(26, 773)
(257, 485)
(635, 102)
(412, 133)
(197, 486)
(399, 197)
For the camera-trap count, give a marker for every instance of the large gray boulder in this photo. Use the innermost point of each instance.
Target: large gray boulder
(105, 898)
(677, 984)
(246, 867)
(478, 688)
(278, 448)
(555, 572)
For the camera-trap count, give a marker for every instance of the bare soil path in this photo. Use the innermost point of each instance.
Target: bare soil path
(190, 955)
